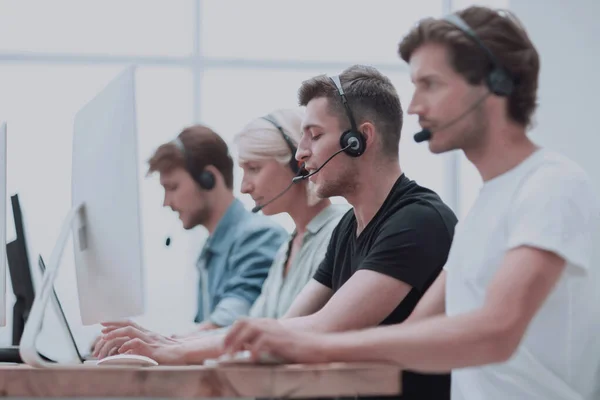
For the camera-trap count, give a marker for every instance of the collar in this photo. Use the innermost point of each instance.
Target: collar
(218, 241)
(322, 218)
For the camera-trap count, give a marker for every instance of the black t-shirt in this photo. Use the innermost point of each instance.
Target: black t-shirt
(408, 239)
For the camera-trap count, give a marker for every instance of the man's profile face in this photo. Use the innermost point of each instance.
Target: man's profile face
(321, 132)
(183, 196)
(442, 96)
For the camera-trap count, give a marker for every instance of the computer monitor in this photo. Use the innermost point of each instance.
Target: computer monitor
(20, 272)
(104, 217)
(21, 279)
(3, 165)
(107, 233)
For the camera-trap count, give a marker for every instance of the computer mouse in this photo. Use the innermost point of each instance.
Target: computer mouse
(132, 360)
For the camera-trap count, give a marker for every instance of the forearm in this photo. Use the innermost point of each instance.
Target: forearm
(437, 344)
(433, 302)
(426, 312)
(310, 300)
(195, 351)
(318, 323)
(309, 323)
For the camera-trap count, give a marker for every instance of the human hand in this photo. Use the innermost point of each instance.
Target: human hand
(116, 333)
(163, 353)
(269, 337)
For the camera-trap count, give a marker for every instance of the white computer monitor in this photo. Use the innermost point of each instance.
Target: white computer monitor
(104, 219)
(3, 167)
(107, 234)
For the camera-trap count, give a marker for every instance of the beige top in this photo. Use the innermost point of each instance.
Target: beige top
(278, 292)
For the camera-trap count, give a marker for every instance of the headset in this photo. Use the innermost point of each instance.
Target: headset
(352, 141)
(205, 179)
(295, 166)
(498, 80)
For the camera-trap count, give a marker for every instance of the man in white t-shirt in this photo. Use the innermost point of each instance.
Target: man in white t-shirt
(516, 313)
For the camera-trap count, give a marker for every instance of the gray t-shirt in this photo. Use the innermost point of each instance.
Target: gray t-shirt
(278, 292)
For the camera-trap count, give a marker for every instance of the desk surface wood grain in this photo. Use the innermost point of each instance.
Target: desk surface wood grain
(328, 380)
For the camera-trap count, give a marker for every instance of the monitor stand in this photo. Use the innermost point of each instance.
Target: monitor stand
(27, 346)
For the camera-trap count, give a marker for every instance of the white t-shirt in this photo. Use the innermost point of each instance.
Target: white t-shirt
(546, 202)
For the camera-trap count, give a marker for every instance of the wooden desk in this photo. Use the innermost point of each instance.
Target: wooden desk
(197, 381)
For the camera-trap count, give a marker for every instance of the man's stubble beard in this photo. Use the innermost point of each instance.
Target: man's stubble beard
(344, 183)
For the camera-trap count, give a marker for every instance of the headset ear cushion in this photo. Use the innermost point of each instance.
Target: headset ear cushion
(206, 180)
(355, 150)
(500, 83)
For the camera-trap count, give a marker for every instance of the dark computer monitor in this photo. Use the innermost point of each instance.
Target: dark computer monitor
(20, 273)
(22, 284)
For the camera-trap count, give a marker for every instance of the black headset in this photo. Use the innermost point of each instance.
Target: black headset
(498, 80)
(205, 179)
(295, 166)
(357, 146)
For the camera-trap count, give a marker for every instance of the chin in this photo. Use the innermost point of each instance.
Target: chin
(438, 147)
(326, 191)
(272, 209)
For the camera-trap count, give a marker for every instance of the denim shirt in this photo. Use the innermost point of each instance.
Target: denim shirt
(234, 263)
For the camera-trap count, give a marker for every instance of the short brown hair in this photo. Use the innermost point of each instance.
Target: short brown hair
(502, 33)
(202, 147)
(371, 97)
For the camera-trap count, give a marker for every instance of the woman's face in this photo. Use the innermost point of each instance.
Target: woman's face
(264, 180)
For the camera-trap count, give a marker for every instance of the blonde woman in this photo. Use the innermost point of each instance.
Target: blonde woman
(266, 153)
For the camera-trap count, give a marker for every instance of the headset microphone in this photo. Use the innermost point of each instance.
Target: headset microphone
(174, 224)
(422, 136)
(260, 207)
(352, 143)
(426, 134)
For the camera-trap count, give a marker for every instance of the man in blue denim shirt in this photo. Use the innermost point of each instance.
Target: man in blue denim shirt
(196, 172)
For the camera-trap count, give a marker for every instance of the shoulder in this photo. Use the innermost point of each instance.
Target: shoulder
(554, 178)
(343, 222)
(419, 209)
(337, 212)
(252, 226)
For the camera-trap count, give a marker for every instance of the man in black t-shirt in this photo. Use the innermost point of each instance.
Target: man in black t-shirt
(387, 250)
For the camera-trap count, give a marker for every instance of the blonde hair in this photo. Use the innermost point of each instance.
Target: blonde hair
(260, 140)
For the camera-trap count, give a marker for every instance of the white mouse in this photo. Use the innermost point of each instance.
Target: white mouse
(132, 360)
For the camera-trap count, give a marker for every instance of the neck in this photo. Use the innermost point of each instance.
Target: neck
(505, 148)
(373, 188)
(302, 214)
(219, 208)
